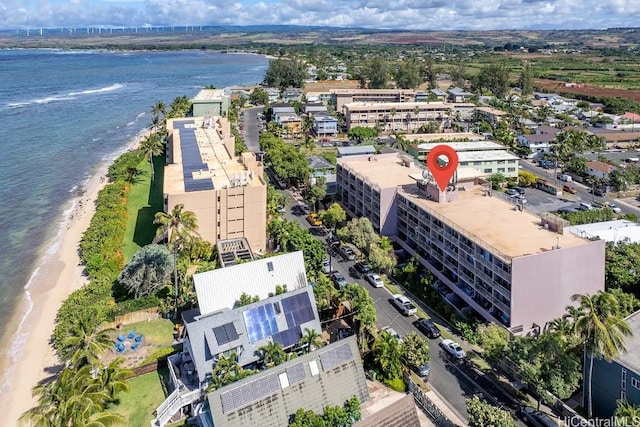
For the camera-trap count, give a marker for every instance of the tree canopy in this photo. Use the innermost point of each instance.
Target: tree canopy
(148, 271)
(283, 73)
(483, 414)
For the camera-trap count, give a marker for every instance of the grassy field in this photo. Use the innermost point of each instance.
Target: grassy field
(145, 200)
(146, 394)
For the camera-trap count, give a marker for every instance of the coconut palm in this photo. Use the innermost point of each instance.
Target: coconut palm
(311, 338)
(158, 108)
(175, 224)
(112, 378)
(272, 354)
(601, 329)
(151, 146)
(386, 353)
(85, 342)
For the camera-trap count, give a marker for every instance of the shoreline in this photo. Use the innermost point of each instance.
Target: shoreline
(30, 357)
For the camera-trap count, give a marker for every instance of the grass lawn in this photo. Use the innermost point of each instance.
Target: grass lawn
(145, 199)
(158, 334)
(146, 394)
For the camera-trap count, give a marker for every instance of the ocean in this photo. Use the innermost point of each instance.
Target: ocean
(63, 114)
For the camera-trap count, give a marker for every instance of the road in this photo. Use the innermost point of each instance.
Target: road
(250, 133)
(454, 381)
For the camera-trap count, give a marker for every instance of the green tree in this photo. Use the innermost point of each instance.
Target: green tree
(408, 75)
(306, 418)
(175, 224)
(272, 354)
(496, 180)
(283, 73)
(151, 146)
(494, 341)
(627, 414)
(333, 215)
(602, 331)
(527, 179)
(525, 81)
(458, 74)
(259, 96)
(493, 78)
(360, 232)
(226, 371)
(387, 354)
(158, 108)
(483, 414)
(85, 343)
(361, 134)
(311, 340)
(246, 299)
(414, 350)
(323, 291)
(149, 270)
(317, 191)
(380, 258)
(376, 72)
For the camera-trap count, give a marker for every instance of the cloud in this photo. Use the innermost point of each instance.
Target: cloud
(397, 14)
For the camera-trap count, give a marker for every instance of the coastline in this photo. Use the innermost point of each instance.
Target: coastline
(30, 357)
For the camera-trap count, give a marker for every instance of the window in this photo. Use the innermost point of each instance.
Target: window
(488, 170)
(270, 266)
(623, 379)
(635, 383)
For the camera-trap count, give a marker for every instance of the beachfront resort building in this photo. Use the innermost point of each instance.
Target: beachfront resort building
(487, 253)
(227, 193)
(210, 102)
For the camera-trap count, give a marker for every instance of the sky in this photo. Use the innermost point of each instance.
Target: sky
(375, 14)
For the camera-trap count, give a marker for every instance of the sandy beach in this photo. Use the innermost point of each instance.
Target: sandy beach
(59, 274)
(31, 358)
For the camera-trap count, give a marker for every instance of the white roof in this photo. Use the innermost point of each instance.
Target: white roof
(464, 145)
(221, 288)
(487, 155)
(609, 231)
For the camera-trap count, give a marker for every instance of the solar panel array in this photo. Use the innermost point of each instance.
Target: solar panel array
(249, 392)
(298, 309)
(288, 337)
(296, 373)
(225, 333)
(191, 160)
(260, 322)
(336, 356)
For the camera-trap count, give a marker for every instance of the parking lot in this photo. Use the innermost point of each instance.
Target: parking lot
(538, 201)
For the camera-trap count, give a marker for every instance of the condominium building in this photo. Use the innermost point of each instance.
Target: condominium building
(210, 102)
(487, 253)
(488, 157)
(227, 193)
(340, 97)
(403, 116)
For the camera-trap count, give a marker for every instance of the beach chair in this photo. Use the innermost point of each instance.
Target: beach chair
(135, 346)
(131, 334)
(121, 338)
(138, 338)
(119, 347)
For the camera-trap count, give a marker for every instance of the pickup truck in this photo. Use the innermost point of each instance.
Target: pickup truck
(403, 304)
(453, 348)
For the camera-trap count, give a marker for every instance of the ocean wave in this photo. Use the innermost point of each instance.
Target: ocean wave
(66, 97)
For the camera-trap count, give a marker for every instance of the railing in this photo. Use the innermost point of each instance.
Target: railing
(172, 404)
(430, 408)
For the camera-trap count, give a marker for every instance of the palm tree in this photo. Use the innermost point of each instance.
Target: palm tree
(311, 338)
(386, 353)
(272, 354)
(158, 108)
(151, 146)
(601, 329)
(226, 371)
(112, 378)
(175, 224)
(85, 342)
(627, 413)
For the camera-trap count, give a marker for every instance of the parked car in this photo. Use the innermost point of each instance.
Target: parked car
(305, 208)
(362, 268)
(598, 192)
(536, 418)
(613, 207)
(585, 207)
(422, 371)
(391, 332)
(347, 253)
(453, 348)
(326, 265)
(403, 304)
(339, 279)
(332, 240)
(519, 190)
(564, 177)
(569, 189)
(314, 219)
(353, 272)
(374, 279)
(511, 192)
(427, 327)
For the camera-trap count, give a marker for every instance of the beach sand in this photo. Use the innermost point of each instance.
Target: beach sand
(59, 274)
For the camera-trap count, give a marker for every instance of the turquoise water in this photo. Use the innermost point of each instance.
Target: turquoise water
(63, 114)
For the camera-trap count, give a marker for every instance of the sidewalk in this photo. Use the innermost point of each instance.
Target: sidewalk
(435, 398)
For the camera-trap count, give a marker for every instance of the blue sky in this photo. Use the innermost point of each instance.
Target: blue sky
(394, 14)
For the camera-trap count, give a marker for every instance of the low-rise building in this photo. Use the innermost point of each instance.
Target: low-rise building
(487, 253)
(456, 94)
(340, 97)
(617, 231)
(210, 102)
(358, 150)
(490, 114)
(227, 194)
(324, 125)
(599, 170)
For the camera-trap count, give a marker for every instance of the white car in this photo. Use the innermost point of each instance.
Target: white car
(453, 348)
(613, 207)
(403, 304)
(375, 280)
(391, 332)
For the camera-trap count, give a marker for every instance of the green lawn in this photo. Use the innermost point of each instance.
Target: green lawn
(146, 394)
(145, 199)
(159, 331)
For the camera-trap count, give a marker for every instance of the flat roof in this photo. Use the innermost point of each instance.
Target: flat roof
(465, 146)
(385, 170)
(371, 91)
(491, 110)
(407, 105)
(443, 136)
(358, 149)
(632, 357)
(209, 95)
(610, 231)
(495, 222)
(214, 164)
(486, 155)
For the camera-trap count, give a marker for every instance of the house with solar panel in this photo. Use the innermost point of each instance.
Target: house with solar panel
(218, 327)
(227, 193)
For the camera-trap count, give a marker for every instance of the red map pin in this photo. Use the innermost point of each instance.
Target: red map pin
(442, 173)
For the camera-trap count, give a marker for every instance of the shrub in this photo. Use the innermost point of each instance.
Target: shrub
(396, 384)
(159, 354)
